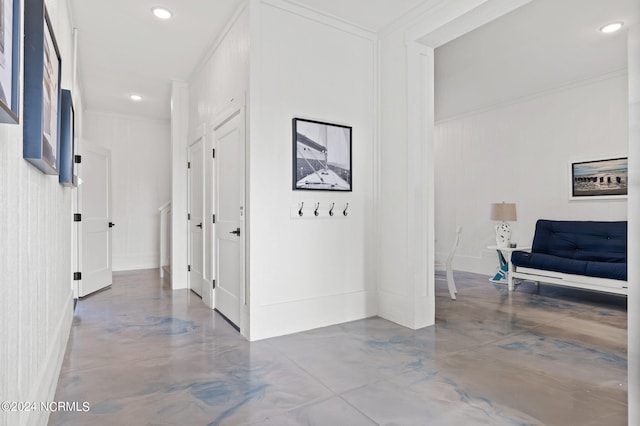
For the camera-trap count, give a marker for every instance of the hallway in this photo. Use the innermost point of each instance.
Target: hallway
(142, 354)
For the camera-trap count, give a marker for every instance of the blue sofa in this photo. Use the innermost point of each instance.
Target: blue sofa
(582, 254)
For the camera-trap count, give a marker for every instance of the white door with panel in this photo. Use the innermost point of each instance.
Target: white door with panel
(229, 202)
(95, 203)
(196, 215)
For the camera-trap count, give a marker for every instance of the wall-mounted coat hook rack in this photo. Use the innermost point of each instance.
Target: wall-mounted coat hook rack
(344, 212)
(331, 209)
(315, 212)
(300, 212)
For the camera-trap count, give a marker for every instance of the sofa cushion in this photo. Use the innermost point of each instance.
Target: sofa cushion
(591, 268)
(582, 240)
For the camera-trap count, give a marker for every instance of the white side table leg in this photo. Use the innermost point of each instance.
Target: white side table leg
(510, 275)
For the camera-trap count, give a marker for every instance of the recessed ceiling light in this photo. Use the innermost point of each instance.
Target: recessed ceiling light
(162, 13)
(135, 97)
(611, 28)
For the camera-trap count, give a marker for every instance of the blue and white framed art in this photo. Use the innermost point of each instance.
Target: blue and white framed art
(9, 61)
(66, 176)
(42, 72)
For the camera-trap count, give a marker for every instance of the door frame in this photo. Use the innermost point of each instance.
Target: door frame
(76, 226)
(219, 120)
(200, 135)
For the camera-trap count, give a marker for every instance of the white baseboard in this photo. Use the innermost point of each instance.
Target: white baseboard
(134, 262)
(292, 317)
(44, 389)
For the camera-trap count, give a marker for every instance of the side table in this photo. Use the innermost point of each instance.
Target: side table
(506, 252)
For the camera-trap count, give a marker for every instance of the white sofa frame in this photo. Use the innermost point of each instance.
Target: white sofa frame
(605, 285)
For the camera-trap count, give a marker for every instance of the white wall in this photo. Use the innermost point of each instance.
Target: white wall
(221, 81)
(141, 177)
(218, 86)
(35, 260)
(520, 152)
(312, 272)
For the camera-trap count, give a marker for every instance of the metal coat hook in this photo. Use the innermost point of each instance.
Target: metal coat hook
(331, 209)
(315, 212)
(344, 212)
(300, 212)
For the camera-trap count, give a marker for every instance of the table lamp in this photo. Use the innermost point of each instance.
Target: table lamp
(503, 212)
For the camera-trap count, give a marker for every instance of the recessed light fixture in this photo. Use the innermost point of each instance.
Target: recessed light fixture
(135, 97)
(612, 27)
(161, 13)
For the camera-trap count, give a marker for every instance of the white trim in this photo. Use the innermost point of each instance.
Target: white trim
(420, 169)
(411, 17)
(319, 16)
(201, 135)
(226, 115)
(47, 381)
(476, 17)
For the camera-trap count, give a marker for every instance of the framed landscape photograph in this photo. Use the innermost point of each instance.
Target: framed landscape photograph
(321, 156)
(599, 179)
(9, 61)
(42, 71)
(66, 176)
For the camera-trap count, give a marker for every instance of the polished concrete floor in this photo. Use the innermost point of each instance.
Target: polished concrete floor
(141, 354)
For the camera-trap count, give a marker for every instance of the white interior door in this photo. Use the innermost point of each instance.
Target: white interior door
(229, 141)
(196, 213)
(95, 202)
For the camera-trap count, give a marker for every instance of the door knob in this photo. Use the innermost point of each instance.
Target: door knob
(236, 232)
(199, 225)
(111, 224)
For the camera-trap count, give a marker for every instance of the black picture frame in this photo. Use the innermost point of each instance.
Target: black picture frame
(599, 179)
(10, 61)
(42, 76)
(322, 159)
(67, 138)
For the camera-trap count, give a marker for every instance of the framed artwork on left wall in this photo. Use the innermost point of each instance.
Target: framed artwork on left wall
(42, 71)
(67, 138)
(9, 61)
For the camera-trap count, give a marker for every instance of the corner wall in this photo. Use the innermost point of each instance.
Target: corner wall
(633, 301)
(309, 273)
(520, 152)
(140, 153)
(36, 307)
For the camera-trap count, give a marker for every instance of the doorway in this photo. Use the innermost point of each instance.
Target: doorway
(94, 200)
(228, 257)
(195, 216)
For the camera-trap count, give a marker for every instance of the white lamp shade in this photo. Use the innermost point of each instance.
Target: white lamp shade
(504, 212)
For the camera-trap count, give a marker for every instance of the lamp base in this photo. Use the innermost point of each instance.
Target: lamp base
(503, 234)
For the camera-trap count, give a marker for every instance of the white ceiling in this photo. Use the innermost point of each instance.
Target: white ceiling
(123, 48)
(542, 45)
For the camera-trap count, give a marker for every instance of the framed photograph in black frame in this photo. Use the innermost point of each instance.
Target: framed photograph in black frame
(42, 72)
(599, 179)
(67, 138)
(321, 156)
